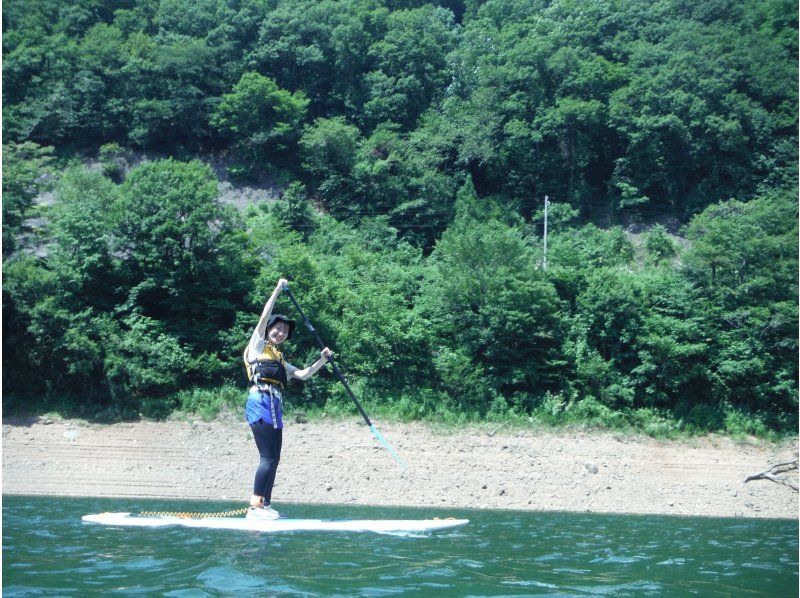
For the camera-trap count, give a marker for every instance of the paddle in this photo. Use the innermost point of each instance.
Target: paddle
(341, 377)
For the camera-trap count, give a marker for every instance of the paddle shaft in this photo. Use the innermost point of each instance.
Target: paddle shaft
(330, 359)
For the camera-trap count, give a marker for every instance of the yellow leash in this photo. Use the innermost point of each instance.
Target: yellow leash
(184, 515)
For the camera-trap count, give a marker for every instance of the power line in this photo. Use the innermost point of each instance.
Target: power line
(603, 205)
(448, 213)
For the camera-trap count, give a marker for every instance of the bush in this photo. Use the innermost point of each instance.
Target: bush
(499, 410)
(654, 422)
(658, 245)
(551, 409)
(704, 418)
(592, 412)
(208, 402)
(114, 161)
(419, 405)
(738, 423)
(148, 362)
(158, 407)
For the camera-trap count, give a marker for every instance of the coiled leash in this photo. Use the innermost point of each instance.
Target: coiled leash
(185, 515)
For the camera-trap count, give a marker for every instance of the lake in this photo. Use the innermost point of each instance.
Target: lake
(48, 550)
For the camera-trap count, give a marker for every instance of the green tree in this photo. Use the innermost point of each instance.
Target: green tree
(194, 18)
(673, 344)
(25, 282)
(745, 250)
(321, 48)
(574, 253)
(146, 361)
(260, 118)
(184, 265)
(743, 258)
(391, 178)
(611, 309)
(410, 65)
(170, 87)
(294, 211)
(658, 245)
(329, 149)
(25, 169)
(374, 281)
(491, 315)
(82, 252)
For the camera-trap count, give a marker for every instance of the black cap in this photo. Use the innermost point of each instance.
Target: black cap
(280, 318)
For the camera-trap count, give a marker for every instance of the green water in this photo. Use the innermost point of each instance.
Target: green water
(47, 550)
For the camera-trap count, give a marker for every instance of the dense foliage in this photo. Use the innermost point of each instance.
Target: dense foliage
(413, 143)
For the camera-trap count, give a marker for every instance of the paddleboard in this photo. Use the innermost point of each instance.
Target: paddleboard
(280, 525)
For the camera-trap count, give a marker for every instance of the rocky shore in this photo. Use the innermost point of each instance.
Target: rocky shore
(339, 462)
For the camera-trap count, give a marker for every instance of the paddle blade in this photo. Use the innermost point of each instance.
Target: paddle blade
(387, 446)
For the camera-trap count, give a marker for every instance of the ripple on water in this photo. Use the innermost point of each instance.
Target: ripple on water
(437, 586)
(228, 579)
(341, 564)
(373, 591)
(469, 564)
(508, 553)
(21, 591)
(677, 561)
(530, 583)
(146, 563)
(437, 572)
(232, 582)
(620, 589)
(187, 593)
(761, 566)
(620, 560)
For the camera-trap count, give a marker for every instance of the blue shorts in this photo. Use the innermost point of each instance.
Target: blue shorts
(257, 407)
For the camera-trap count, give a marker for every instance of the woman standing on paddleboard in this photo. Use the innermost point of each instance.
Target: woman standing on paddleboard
(268, 373)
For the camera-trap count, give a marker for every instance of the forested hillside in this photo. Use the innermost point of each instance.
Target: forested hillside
(414, 144)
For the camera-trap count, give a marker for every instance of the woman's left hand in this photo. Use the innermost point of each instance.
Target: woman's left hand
(326, 354)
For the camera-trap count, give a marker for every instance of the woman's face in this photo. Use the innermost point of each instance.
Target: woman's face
(278, 332)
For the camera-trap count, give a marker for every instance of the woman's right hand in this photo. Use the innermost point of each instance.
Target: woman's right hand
(281, 284)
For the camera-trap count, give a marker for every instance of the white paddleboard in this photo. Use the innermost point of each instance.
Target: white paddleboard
(280, 525)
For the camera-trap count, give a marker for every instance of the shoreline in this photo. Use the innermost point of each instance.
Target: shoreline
(339, 462)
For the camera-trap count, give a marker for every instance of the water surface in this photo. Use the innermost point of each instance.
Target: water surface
(48, 550)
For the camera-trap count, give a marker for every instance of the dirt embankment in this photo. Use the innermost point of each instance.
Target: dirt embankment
(340, 462)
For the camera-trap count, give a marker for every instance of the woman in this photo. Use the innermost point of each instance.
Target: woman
(269, 372)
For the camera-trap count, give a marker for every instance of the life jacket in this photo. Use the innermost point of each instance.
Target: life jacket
(269, 368)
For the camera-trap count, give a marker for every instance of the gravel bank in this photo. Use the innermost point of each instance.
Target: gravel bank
(339, 462)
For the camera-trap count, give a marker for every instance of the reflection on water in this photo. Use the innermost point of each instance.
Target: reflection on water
(47, 550)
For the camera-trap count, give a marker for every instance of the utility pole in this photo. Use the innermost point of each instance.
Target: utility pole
(546, 203)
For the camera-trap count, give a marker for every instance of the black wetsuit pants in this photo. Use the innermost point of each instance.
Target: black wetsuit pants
(268, 441)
